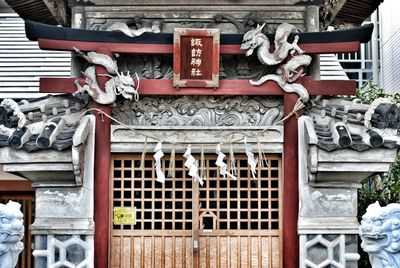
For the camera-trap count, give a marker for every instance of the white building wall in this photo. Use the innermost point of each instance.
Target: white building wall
(389, 16)
(22, 62)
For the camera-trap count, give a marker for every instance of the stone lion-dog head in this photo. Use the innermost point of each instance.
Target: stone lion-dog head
(11, 234)
(380, 235)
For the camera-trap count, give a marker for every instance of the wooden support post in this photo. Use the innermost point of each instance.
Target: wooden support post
(290, 186)
(312, 25)
(101, 178)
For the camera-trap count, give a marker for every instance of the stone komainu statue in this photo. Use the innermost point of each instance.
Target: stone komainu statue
(380, 234)
(11, 234)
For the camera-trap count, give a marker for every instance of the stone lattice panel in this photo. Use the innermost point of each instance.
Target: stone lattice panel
(328, 250)
(55, 251)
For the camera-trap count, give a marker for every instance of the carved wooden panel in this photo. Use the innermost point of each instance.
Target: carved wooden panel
(224, 223)
(223, 111)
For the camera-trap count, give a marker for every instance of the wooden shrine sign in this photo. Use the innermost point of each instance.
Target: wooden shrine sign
(196, 58)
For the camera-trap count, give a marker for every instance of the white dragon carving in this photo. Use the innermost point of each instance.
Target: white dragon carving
(380, 235)
(11, 234)
(119, 84)
(124, 28)
(288, 72)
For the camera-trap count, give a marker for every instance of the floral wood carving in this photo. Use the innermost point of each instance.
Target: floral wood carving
(200, 111)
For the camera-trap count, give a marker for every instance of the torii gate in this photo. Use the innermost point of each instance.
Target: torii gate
(227, 87)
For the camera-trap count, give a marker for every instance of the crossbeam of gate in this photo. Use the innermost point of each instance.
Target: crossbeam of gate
(132, 48)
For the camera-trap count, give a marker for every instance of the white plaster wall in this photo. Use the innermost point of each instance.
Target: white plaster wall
(389, 20)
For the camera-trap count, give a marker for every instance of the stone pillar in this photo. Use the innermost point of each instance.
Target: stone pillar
(327, 224)
(64, 227)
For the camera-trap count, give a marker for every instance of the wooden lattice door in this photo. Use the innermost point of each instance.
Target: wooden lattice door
(224, 223)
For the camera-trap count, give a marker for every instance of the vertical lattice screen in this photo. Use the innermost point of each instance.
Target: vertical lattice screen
(245, 204)
(224, 204)
(159, 206)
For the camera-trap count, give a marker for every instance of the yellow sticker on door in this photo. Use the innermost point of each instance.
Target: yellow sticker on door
(124, 215)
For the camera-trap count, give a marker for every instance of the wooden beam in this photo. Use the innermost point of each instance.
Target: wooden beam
(16, 186)
(57, 9)
(66, 45)
(227, 87)
(334, 11)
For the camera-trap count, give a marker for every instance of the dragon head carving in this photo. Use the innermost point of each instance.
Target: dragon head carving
(380, 235)
(125, 85)
(253, 39)
(11, 233)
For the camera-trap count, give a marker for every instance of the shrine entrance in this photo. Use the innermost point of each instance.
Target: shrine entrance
(224, 223)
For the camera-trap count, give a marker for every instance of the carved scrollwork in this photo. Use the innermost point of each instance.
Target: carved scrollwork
(200, 111)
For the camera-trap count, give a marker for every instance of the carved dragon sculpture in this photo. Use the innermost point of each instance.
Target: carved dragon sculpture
(290, 71)
(11, 234)
(380, 235)
(124, 28)
(119, 84)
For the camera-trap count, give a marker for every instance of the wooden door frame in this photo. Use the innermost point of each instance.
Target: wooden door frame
(290, 243)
